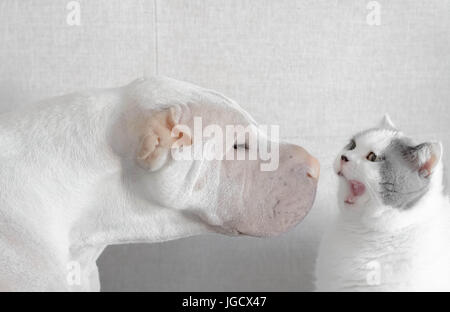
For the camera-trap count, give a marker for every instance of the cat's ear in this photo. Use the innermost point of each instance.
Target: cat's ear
(386, 123)
(425, 157)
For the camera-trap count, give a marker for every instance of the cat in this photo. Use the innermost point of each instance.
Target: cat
(392, 232)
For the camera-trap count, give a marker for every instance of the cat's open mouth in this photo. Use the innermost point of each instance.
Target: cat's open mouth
(356, 189)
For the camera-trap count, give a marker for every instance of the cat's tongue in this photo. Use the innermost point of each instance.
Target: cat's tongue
(356, 189)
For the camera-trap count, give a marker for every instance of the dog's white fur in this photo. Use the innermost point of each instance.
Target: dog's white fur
(80, 172)
(373, 247)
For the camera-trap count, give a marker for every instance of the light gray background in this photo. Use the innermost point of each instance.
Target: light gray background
(313, 67)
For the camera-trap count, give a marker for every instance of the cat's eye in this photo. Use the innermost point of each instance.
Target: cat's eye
(351, 146)
(372, 157)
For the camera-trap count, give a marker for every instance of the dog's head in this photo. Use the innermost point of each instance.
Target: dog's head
(202, 154)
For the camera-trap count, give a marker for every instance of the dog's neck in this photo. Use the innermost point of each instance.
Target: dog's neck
(120, 218)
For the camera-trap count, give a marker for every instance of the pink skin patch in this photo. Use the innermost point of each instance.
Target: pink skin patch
(356, 190)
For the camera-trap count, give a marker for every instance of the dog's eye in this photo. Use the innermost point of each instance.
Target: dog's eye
(351, 146)
(237, 146)
(372, 157)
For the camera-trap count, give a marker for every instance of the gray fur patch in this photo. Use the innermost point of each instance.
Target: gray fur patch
(401, 184)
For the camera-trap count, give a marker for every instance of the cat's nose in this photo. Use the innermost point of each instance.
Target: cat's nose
(344, 158)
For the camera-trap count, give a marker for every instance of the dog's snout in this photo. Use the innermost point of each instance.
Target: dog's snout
(311, 163)
(291, 196)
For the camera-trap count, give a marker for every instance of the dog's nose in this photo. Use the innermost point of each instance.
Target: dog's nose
(344, 158)
(313, 167)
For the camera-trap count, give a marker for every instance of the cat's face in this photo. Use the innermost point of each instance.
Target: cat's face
(382, 167)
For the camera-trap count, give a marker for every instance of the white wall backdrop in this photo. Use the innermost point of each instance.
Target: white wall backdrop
(316, 68)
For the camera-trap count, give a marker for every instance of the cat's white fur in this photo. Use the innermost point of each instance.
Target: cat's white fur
(373, 247)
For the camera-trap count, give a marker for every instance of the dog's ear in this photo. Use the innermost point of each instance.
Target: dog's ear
(162, 132)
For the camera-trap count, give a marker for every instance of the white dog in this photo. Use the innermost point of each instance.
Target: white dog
(82, 171)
